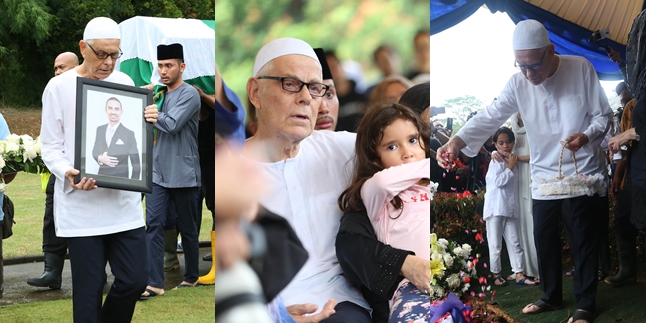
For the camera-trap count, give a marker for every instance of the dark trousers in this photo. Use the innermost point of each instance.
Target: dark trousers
(126, 252)
(158, 204)
(623, 207)
(208, 189)
(348, 312)
(583, 222)
(51, 243)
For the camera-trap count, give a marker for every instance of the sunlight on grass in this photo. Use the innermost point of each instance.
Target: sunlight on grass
(29, 202)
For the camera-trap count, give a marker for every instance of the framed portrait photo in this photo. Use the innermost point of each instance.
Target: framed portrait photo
(114, 143)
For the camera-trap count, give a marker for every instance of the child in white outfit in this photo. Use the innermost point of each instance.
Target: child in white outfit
(501, 210)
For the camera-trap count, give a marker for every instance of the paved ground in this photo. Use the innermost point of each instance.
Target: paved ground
(16, 289)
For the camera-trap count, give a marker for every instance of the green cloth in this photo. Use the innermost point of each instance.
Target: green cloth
(159, 93)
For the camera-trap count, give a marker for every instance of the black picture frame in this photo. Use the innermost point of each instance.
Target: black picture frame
(92, 121)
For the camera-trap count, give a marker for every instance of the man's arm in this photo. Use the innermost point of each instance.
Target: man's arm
(598, 108)
(174, 120)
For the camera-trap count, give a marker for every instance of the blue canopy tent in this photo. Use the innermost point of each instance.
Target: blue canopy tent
(569, 23)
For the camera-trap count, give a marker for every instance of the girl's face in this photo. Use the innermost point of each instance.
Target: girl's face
(400, 144)
(503, 143)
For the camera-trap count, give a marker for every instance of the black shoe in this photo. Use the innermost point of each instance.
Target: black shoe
(208, 257)
(52, 276)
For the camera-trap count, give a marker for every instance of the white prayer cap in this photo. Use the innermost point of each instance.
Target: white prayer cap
(281, 47)
(530, 34)
(101, 28)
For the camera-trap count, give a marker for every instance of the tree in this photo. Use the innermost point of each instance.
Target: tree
(24, 24)
(354, 28)
(34, 32)
(461, 107)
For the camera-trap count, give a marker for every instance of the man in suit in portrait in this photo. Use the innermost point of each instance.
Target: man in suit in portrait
(115, 144)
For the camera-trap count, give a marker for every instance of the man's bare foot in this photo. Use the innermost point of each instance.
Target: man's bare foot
(185, 284)
(539, 307)
(157, 291)
(581, 316)
(529, 309)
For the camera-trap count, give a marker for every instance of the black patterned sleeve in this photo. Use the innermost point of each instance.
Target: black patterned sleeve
(365, 260)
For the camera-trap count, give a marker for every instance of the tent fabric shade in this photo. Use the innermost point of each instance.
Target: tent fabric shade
(141, 35)
(570, 23)
(617, 15)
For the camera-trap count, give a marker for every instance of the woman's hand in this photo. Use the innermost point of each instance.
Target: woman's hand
(418, 271)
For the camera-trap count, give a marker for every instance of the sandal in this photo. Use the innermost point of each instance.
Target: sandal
(601, 276)
(542, 307)
(526, 282)
(151, 294)
(581, 315)
(499, 281)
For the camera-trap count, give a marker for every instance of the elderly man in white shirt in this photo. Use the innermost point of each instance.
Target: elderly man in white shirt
(562, 97)
(305, 172)
(100, 224)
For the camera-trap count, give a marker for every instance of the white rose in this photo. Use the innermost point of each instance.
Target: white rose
(38, 145)
(2, 163)
(27, 138)
(13, 138)
(453, 281)
(448, 260)
(29, 153)
(466, 248)
(12, 147)
(457, 251)
(466, 287)
(443, 243)
(3, 187)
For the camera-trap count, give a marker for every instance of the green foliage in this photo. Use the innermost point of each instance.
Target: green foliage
(461, 107)
(354, 28)
(456, 217)
(34, 32)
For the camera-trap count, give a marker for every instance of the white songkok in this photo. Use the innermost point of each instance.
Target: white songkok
(101, 28)
(281, 47)
(530, 34)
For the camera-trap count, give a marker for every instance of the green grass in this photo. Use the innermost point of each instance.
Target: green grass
(188, 305)
(29, 203)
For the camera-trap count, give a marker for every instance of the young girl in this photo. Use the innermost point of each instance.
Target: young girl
(501, 210)
(391, 179)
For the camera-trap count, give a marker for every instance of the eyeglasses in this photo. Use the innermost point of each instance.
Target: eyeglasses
(291, 84)
(533, 67)
(104, 55)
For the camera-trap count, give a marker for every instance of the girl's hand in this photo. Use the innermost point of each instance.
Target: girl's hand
(511, 162)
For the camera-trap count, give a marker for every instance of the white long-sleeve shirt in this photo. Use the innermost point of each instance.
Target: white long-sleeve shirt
(304, 190)
(568, 102)
(501, 197)
(79, 213)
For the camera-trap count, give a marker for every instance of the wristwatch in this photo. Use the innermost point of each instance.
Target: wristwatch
(636, 136)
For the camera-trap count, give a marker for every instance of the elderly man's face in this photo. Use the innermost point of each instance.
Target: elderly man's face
(292, 114)
(99, 68)
(535, 57)
(329, 109)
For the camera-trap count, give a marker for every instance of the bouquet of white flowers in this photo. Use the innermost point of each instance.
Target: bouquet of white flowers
(21, 154)
(452, 268)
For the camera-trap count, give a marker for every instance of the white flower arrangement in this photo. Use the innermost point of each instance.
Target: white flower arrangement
(452, 268)
(20, 154)
(433, 188)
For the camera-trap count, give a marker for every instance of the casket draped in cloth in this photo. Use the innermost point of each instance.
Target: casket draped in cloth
(141, 35)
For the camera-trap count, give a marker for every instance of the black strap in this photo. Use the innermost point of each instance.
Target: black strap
(228, 303)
